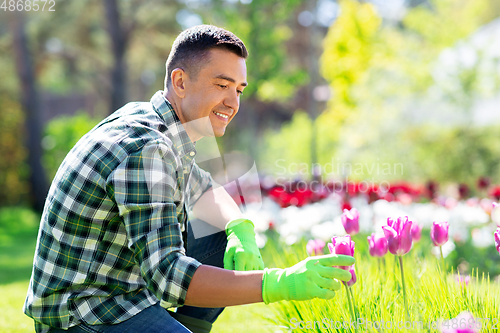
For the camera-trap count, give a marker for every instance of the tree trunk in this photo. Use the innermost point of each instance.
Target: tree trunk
(31, 105)
(119, 39)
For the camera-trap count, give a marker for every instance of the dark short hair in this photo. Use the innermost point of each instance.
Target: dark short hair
(191, 47)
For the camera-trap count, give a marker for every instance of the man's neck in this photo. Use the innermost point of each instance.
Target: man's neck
(168, 95)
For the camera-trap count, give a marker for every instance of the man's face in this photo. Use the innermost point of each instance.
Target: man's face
(213, 96)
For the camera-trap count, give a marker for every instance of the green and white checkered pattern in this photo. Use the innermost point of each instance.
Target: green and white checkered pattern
(110, 239)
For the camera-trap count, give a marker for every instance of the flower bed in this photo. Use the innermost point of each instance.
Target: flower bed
(414, 288)
(378, 299)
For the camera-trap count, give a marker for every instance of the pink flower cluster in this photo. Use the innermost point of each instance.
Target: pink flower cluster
(315, 247)
(398, 234)
(439, 233)
(398, 238)
(350, 221)
(377, 245)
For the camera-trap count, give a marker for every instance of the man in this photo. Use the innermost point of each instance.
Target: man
(114, 250)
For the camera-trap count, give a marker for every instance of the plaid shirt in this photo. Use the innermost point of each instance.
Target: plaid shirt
(110, 240)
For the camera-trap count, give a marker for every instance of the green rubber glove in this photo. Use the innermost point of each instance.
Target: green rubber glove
(313, 277)
(242, 253)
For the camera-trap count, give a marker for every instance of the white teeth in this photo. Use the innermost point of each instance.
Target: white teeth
(222, 115)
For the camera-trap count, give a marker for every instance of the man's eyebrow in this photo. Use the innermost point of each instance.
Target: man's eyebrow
(230, 79)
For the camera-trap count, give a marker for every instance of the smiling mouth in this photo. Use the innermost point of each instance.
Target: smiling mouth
(225, 116)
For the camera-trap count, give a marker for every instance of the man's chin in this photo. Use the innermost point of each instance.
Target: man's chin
(216, 130)
(218, 134)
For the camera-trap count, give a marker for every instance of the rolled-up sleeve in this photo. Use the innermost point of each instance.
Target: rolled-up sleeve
(145, 188)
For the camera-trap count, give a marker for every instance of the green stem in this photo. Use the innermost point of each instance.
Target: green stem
(381, 274)
(353, 303)
(350, 304)
(384, 267)
(407, 313)
(443, 267)
(395, 264)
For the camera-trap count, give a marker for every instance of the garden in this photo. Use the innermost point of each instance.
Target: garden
(424, 262)
(368, 129)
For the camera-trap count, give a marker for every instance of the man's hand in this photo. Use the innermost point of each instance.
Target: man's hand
(313, 277)
(242, 253)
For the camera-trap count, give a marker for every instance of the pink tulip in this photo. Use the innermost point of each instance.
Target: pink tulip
(350, 221)
(315, 247)
(398, 234)
(497, 240)
(461, 324)
(439, 233)
(416, 232)
(353, 279)
(342, 245)
(463, 280)
(377, 245)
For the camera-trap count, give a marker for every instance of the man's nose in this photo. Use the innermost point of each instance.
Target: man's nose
(233, 101)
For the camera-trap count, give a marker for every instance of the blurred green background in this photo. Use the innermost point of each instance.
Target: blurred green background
(383, 82)
(331, 83)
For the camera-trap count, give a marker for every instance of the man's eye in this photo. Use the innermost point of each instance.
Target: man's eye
(240, 92)
(222, 86)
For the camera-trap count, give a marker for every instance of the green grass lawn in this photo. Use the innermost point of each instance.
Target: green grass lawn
(245, 318)
(16, 258)
(12, 318)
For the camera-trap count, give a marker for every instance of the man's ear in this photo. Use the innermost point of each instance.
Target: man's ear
(178, 80)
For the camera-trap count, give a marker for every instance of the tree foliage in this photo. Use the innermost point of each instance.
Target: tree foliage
(265, 27)
(290, 145)
(383, 75)
(61, 134)
(274, 70)
(14, 171)
(403, 81)
(379, 73)
(348, 50)
(459, 154)
(71, 53)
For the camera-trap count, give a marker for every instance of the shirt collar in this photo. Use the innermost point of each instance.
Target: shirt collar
(175, 129)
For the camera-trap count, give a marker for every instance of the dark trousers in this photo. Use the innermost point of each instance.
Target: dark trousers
(209, 250)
